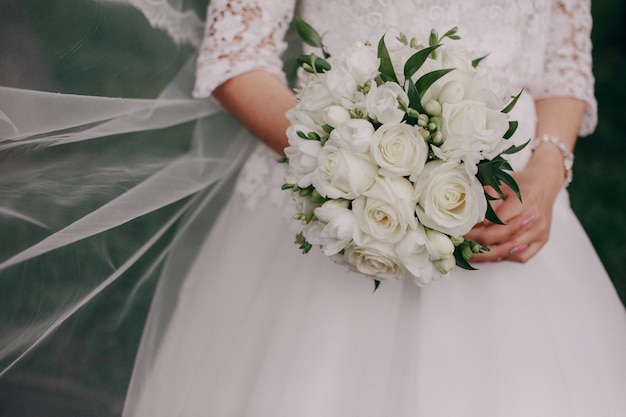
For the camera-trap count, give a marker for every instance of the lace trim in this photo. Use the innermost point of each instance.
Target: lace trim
(182, 27)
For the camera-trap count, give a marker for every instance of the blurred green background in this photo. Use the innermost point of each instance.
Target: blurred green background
(91, 375)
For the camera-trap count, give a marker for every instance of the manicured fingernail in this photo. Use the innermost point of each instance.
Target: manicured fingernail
(517, 249)
(528, 220)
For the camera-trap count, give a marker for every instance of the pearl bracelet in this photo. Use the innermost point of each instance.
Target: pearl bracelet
(568, 156)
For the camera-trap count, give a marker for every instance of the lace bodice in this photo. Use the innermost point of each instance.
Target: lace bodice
(540, 45)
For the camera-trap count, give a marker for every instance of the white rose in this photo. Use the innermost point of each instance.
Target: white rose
(440, 245)
(449, 199)
(336, 115)
(377, 260)
(314, 98)
(399, 150)
(414, 255)
(454, 56)
(302, 154)
(355, 134)
(337, 226)
(362, 62)
(452, 92)
(385, 211)
(340, 82)
(342, 173)
(382, 102)
(472, 127)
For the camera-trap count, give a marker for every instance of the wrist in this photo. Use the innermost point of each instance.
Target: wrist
(552, 150)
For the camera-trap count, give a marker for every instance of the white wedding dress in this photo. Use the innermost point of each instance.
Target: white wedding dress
(260, 330)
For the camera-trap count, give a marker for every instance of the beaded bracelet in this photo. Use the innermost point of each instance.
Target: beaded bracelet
(568, 156)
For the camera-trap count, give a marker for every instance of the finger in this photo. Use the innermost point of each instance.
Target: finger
(498, 234)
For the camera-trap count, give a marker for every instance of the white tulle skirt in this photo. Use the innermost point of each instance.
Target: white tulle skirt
(260, 330)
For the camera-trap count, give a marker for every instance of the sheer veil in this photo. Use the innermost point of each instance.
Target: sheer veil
(110, 176)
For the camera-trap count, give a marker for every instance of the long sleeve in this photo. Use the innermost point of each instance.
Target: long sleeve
(241, 36)
(568, 62)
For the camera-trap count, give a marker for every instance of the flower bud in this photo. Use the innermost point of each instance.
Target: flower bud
(440, 242)
(457, 240)
(437, 138)
(467, 252)
(433, 107)
(336, 115)
(337, 203)
(445, 265)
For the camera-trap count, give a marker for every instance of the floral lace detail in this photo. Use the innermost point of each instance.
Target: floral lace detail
(183, 27)
(261, 178)
(568, 58)
(241, 35)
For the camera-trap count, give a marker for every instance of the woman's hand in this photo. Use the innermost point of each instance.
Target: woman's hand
(527, 222)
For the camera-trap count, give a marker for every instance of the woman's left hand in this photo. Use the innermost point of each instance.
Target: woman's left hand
(527, 222)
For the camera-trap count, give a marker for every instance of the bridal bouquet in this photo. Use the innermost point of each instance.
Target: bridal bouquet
(389, 152)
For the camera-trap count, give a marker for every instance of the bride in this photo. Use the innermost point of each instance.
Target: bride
(249, 327)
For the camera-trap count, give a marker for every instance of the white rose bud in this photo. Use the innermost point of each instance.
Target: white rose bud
(441, 244)
(336, 115)
(452, 92)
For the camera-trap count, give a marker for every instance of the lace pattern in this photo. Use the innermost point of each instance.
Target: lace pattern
(182, 26)
(541, 45)
(240, 36)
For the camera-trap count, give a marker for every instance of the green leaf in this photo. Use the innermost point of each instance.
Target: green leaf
(452, 33)
(426, 80)
(416, 61)
(415, 101)
(512, 104)
(308, 34)
(387, 72)
(513, 124)
(477, 61)
(515, 149)
(460, 260)
(510, 182)
(376, 284)
(314, 62)
(491, 214)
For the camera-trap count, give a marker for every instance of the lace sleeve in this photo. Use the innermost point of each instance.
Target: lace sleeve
(240, 36)
(568, 58)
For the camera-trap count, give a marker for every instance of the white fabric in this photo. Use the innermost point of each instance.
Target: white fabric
(259, 330)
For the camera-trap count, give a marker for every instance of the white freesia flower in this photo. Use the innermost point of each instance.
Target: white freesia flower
(449, 199)
(342, 173)
(302, 154)
(337, 226)
(399, 150)
(382, 102)
(362, 62)
(355, 134)
(377, 260)
(385, 211)
(414, 255)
